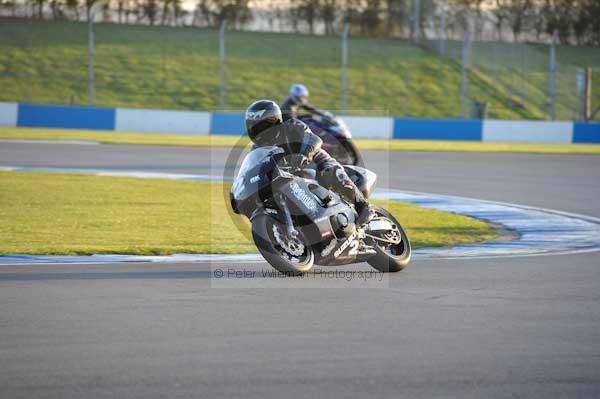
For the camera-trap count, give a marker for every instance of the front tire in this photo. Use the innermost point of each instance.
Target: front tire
(352, 154)
(396, 257)
(345, 152)
(291, 257)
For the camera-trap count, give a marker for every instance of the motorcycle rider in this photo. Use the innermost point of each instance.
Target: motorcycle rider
(265, 127)
(297, 99)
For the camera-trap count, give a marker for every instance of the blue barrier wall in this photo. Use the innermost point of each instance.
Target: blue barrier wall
(229, 123)
(35, 115)
(586, 132)
(438, 129)
(232, 123)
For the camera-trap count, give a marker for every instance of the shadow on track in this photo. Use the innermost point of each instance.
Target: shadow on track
(205, 274)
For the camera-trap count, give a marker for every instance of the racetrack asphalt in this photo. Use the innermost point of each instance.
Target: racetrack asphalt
(508, 327)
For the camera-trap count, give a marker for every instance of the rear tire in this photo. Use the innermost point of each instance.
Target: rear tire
(264, 238)
(396, 257)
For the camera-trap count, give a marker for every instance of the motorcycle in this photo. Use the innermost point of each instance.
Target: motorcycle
(336, 136)
(296, 223)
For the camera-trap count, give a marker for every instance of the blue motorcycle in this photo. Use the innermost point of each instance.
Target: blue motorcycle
(337, 138)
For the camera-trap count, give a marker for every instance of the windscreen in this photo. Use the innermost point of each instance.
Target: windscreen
(251, 163)
(256, 157)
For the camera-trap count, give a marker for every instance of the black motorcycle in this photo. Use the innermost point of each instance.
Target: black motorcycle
(336, 136)
(297, 223)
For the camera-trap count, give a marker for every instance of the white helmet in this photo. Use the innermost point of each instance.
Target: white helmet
(299, 93)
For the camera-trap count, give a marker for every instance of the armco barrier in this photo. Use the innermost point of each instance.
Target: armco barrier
(229, 123)
(58, 116)
(8, 114)
(232, 123)
(150, 121)
(528, 131)
(586, 132)
(370, 127)
(438, 129)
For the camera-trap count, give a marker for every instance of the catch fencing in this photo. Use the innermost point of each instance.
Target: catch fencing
(533, 80)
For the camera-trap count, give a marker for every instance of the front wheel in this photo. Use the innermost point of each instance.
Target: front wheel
(346, 153)
(352, 153)
(289, 256)
(343, 150)
(391, 257)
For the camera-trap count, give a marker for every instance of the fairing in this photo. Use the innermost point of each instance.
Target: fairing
(253, 181)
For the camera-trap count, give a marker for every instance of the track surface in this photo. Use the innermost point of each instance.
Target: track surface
(512, 327)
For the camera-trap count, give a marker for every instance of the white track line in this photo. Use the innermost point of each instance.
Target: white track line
(538, 231)
(113, 173)
(76, 142)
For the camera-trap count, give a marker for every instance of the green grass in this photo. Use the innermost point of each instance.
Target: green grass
(177, 68)
(229, 141)
(47, 213)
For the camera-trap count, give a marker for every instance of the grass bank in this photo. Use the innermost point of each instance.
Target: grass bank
(178, 68)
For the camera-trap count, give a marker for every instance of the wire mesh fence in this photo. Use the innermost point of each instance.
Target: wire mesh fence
(185, 68)
(518, 79)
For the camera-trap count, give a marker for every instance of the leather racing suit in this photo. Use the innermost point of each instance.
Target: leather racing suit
(291, 106)
(295, 137)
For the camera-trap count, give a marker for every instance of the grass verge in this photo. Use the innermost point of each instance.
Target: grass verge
(165, 67)
(106, 137)
(47, 213)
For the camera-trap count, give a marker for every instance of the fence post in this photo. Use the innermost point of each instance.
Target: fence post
(580, 82)
(91, 12)
(91, 58)
(443, 29)
(464, 81)
(222, 65)
(345, 68)
(416, 20)
(552, 78)
(523, 60)
(588, 94)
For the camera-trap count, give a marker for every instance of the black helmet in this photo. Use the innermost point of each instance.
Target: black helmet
(260, 116)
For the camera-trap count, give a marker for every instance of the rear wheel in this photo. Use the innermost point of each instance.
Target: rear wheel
(289, 256)
(391, 257)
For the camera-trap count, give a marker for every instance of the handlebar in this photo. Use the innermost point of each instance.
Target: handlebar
(284, 166)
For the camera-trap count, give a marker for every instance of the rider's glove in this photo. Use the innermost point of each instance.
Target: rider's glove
(298, 161)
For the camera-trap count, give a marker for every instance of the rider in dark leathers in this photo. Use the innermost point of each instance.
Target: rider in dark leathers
(297, 100)
(265, 127)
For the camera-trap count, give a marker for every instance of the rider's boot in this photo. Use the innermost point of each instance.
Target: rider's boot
(365, 214)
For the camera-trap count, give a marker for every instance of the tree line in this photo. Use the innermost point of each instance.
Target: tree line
(575, 21)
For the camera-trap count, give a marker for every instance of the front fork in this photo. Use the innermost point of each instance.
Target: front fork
(289, 224)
